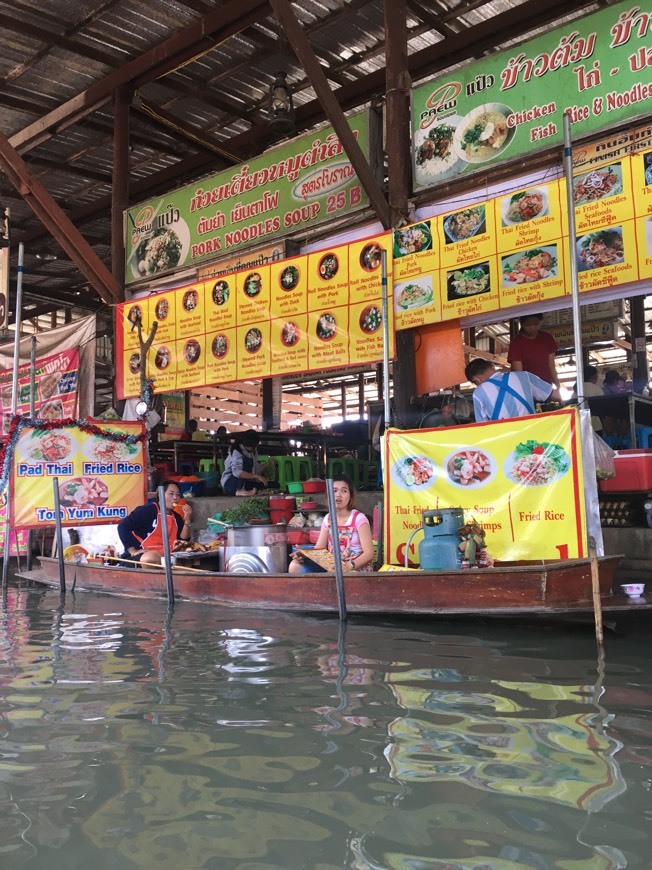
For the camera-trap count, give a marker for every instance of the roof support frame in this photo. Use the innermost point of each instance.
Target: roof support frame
(58, 224)
(308, 60)
(195, 39)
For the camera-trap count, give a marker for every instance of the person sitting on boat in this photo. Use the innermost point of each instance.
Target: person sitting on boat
(241, 468)
(141, 533)
(356, 543)
(500, 395)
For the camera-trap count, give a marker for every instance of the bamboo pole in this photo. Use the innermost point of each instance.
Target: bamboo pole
(595, 587)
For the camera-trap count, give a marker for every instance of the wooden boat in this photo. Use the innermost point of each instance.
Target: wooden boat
(524, 588)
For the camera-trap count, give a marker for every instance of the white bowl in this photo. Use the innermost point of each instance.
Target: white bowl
(633, 590)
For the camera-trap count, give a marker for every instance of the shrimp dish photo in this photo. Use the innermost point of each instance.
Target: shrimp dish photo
(290, 334)
(414, 471)
(79, 492)
(529, 266)
(53, 446)
(469, 468)
(525, 206)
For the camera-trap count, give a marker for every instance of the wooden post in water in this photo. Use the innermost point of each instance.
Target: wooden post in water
(595, 586)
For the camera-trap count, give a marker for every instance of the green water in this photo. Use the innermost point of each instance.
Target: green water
(130, 738)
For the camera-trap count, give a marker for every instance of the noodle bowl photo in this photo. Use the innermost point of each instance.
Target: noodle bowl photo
(483, 133)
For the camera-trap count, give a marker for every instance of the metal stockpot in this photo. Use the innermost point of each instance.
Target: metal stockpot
(255, 549)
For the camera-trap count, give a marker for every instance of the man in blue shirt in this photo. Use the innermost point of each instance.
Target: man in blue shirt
(500, 395)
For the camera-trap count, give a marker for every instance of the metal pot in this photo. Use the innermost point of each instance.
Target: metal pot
(256, 548)
(257, 535)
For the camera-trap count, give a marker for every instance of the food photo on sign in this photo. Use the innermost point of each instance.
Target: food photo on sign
(464, 224)
(483, 133)
(526, 205)
(434, 155)
(416, 293)
(470, 281)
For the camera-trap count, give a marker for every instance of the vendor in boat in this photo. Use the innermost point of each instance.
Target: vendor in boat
(356, 543)
(500, 395)
(141, 533)
(533, 350)
(241, 468)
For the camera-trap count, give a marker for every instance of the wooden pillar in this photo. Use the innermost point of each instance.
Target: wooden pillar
(397, 137)
(268, 404)
(120, 188)
(361, 395)
(641, 368)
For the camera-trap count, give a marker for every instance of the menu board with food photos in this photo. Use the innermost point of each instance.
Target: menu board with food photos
(514, 249)
(99, 480)
(323, 309)
(56, 378)
(520, 479)
(310, 312)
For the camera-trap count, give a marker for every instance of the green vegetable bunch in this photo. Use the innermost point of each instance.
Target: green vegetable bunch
(245, 510)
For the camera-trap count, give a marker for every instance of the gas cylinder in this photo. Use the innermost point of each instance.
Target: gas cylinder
(439, 550)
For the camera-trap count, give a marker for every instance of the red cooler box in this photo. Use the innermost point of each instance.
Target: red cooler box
(633, 472)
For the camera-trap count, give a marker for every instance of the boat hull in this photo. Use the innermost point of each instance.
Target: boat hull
(553, 587)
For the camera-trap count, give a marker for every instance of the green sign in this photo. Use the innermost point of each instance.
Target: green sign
(510, 104)
(301, 183)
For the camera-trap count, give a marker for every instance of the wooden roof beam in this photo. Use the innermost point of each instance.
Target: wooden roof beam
(306, 57)
(198, 37)
(425, 62)
(59, 224)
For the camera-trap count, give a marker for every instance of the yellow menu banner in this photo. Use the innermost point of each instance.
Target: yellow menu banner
(520, 479)
(514, 249)
(314, 311)
(99, 480)
(323, 309)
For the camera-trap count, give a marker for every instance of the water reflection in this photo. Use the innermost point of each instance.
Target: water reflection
(230, 740)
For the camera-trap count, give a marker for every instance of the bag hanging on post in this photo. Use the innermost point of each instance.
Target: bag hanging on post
(605, 466)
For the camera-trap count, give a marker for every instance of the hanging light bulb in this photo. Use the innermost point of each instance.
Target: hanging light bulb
(281, 108)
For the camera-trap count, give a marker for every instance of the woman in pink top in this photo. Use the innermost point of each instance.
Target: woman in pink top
(356, 543)
(533, 350)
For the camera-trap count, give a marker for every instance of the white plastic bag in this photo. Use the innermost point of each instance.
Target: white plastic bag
(605, 466)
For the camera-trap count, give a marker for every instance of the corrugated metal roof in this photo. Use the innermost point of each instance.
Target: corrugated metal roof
(54, 50)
